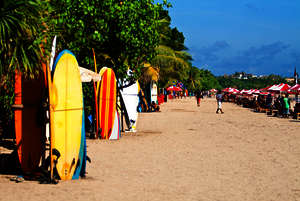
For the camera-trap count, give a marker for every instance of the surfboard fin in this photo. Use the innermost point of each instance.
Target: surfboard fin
(72, 164)
(109, 133)
(88, 159)
(56, 153)
(77, 165)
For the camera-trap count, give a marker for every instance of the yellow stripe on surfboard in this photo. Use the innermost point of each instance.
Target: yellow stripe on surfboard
(98, 83)
(107, 101)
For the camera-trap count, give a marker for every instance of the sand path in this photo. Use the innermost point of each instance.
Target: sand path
(186, 153)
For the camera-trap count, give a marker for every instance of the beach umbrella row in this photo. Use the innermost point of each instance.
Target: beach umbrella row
(231, 90)
(276, 88)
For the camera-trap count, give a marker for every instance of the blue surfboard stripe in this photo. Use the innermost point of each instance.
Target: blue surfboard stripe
(82, 151)
(59, 56)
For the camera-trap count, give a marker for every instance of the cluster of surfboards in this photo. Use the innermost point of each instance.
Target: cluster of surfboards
(67, 130)
(108, 121)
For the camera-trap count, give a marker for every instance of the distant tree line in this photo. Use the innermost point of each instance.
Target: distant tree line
(250, 83)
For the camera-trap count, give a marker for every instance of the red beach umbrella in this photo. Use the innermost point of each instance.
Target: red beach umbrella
(170, 88)
(233, 90)
(295, 89)
(256, 91)
(264, 93)
(173, 88)
(266, 89)
(178, 89)
(279, 88)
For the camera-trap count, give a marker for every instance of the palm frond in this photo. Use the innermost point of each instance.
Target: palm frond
(149, 73)
(20, 37)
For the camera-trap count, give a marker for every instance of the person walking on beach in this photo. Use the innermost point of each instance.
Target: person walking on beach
(219, 98)
(198, 97)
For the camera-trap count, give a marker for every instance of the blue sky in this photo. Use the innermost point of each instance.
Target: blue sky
(254, 36)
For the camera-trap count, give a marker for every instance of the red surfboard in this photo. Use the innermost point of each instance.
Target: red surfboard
(29, 120)
(107, 103)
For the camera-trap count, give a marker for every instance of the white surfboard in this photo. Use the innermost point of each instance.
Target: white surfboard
(131, 100)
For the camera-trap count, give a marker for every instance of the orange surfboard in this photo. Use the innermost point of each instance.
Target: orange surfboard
(107, 103)
(29, 120)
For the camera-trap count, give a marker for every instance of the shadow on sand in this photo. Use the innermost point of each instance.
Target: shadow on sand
(9, 163)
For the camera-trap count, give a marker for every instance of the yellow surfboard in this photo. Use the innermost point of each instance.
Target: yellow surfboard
(66, 106)
(102, 70)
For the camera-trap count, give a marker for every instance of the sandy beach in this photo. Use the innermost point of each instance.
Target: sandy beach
(188, 153)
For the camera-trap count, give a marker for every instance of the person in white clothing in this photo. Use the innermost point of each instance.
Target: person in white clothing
(219, 98)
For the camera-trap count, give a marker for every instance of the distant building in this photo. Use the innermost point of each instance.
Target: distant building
(290, 79)
(243, 75)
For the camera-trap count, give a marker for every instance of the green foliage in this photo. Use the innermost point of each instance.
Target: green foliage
(21, 39)
(172, 62)
(21, 34)
(88, 97)
(123, 33)
(6, 100)
(201, 79)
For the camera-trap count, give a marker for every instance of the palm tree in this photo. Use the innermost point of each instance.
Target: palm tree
(172, 65)
(20, 37)
(149, 73)
(20, 48)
